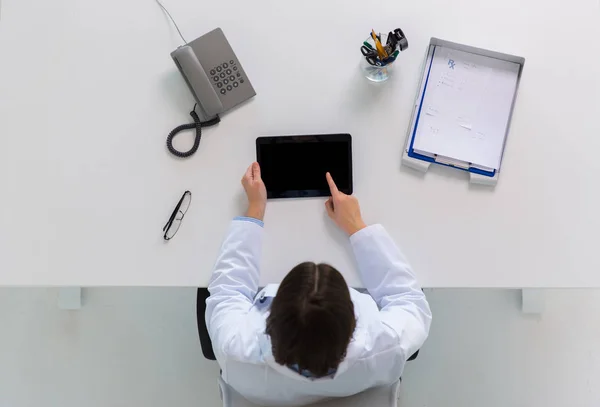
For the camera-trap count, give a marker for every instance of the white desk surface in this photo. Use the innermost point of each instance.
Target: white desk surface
(88, 93)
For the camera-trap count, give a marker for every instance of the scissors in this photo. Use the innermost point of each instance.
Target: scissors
(370, 55)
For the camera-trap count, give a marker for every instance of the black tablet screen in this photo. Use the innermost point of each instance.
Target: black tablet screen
(295, 166)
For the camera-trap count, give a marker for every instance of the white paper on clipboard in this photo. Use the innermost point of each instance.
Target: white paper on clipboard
(466, 107)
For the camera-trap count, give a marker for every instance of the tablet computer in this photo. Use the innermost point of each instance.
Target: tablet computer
(295, 166)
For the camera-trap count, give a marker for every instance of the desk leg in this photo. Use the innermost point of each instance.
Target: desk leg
(532, 301)
(69, 298)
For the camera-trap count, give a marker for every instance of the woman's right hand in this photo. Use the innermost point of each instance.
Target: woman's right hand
(343, 209)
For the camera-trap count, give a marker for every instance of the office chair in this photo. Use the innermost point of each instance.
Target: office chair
(205, 342)
(385, 396)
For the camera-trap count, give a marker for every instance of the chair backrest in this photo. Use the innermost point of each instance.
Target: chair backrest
(205, 342)
(384, 396)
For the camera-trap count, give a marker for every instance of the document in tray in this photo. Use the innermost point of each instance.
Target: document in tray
(466, 107)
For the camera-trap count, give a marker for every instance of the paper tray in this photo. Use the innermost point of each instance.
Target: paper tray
(421, 162)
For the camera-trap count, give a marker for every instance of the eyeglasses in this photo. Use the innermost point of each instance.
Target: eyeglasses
(174, 222)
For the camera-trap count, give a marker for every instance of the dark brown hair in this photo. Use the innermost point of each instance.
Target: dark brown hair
(312, 319)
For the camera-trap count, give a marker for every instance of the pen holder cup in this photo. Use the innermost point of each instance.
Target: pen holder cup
(372, 72)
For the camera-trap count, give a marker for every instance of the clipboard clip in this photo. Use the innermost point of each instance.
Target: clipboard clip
(450, 161)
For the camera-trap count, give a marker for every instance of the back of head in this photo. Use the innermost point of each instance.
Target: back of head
(312, 319)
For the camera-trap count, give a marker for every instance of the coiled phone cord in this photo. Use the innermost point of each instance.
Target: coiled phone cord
(198, 126)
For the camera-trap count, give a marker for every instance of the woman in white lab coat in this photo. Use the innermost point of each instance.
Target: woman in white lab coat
(312, 337)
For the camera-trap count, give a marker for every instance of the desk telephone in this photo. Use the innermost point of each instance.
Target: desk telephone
(216, 79)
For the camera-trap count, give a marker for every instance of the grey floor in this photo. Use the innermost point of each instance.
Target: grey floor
(139, 347)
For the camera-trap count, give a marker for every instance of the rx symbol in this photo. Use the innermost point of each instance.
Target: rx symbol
(451, 63)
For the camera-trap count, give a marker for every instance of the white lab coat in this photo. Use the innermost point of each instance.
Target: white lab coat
(392, 322)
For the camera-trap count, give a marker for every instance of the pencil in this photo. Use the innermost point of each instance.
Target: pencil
(380, 51)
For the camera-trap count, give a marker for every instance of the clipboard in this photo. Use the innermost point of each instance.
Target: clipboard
(421, 161)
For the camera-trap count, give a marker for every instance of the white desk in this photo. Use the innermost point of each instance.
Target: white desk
(88, 93)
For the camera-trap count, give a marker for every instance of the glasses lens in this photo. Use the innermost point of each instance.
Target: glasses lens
(173, 228)
(185, 202)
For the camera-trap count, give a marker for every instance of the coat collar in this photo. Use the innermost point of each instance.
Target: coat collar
(267, 354)
(269, 291)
